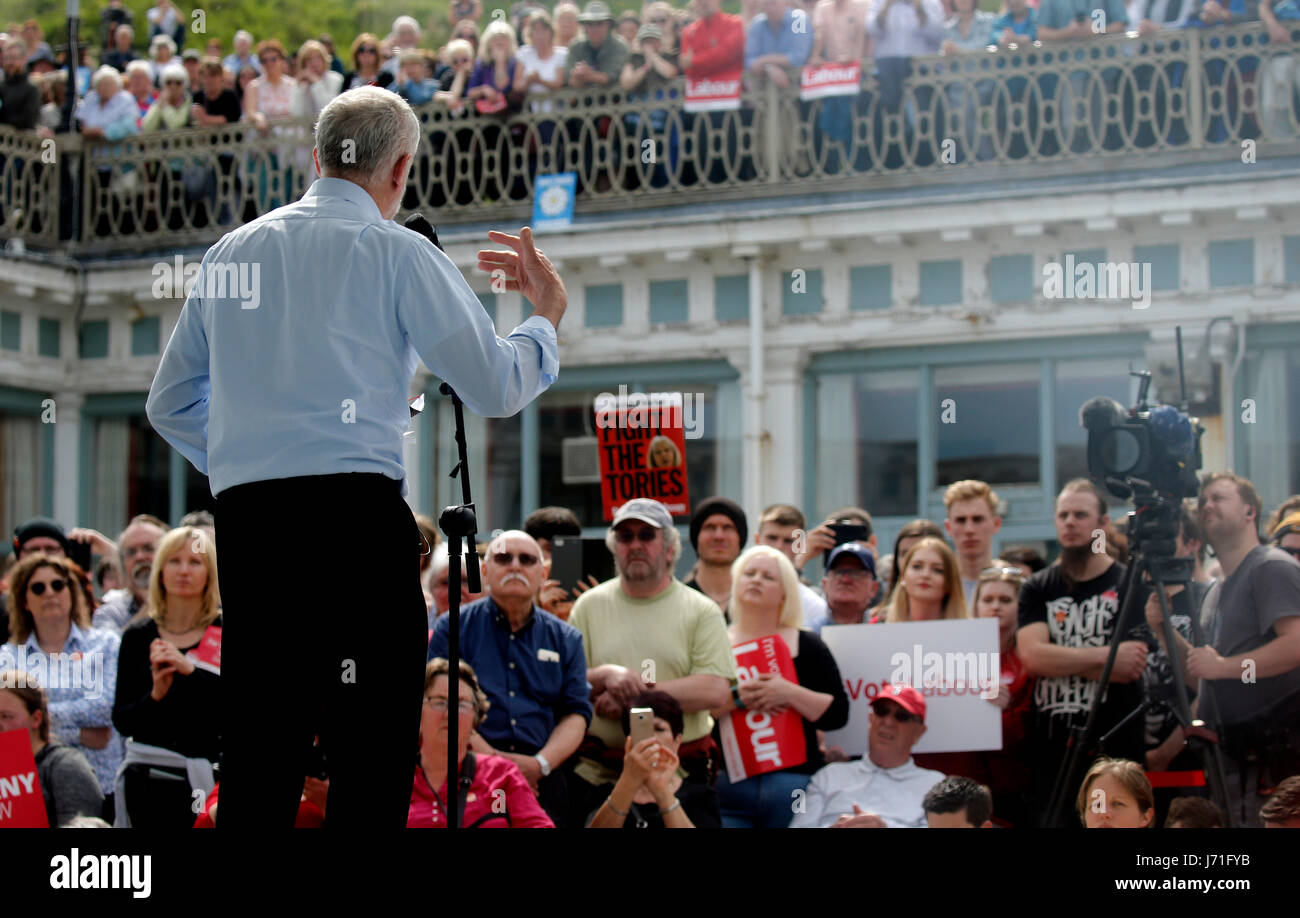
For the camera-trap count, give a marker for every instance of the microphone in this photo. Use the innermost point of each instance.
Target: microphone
(1102, 413)
(421, 225)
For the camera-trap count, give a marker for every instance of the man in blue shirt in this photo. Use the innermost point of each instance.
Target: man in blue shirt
(778, 39)
(286, 382)
(1019, 24)
(532, 666)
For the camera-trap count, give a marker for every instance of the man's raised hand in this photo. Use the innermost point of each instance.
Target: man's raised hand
(528, 270)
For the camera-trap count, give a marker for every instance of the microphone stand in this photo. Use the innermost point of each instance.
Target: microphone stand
(458, 523)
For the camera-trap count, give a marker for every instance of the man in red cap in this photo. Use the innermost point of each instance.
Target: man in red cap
(885, 789)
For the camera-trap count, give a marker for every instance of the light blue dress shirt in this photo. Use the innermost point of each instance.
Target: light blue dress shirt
(294, 352)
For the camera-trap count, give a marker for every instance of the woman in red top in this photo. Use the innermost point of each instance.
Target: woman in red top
(492, 789)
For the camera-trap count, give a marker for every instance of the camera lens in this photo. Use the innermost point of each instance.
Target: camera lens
(1121, 451)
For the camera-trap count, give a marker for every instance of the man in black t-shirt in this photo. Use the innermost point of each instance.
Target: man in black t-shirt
(1067, 622)
(1252, 664)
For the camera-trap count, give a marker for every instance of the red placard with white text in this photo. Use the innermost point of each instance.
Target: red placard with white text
(830, 80)
(208, 654)
(22, 805)
(643, 452)
(754, 743)
(714, 93)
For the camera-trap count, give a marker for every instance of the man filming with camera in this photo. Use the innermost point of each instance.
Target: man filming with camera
(1251, 618)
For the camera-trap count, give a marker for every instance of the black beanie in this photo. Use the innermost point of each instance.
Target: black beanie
(37, 527)
(715, 505)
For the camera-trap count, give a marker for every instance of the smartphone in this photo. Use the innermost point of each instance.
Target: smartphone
(847, 532)
(573, 559)
(643, 725)
(79, 552)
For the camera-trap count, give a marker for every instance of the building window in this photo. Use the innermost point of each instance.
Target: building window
(870, 287)
(731, 297)
(1164, 264)
(1011, 278)
(604, 305)
(867, 441)
(1232, 263)
(1291, 258)
(94, 339)
(130, 471)
(11, 331)
(940, 282)
(669, 301)
(801, 293)
(22, 469)
(1269, 435)
(987, 422)
(47, 337)
(144, 337)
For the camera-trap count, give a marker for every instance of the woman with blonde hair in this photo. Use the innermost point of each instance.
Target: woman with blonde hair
(494, 83)
(765, 601)
(662, 453)
(49, 628)
(929, 585)
(167, 705)
(317, 83)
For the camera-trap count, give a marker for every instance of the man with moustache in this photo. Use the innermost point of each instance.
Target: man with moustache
(1067, 622)
(532, 666)
(646, 629)
(137, 544)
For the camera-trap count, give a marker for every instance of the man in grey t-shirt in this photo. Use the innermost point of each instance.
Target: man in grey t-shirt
(1252, 663)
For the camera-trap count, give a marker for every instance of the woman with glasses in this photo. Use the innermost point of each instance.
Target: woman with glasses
(50, 634)
(365, 58)
(168, 706)
(173, 109)
(269, 99)
(491, 792)
(929, 586)
(765, 601)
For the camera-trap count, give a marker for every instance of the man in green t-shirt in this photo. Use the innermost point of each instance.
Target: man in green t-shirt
(643, 629)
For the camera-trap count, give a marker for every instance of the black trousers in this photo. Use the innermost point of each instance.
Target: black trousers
(312, 646)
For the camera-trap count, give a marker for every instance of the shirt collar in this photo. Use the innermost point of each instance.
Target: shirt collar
(75, 640)
(897, 773)
(499, 616)
(343, 190)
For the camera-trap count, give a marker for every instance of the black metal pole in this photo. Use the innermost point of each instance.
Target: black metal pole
(70, 100)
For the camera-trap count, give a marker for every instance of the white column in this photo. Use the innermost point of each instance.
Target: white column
(67, 456)
(784, 420)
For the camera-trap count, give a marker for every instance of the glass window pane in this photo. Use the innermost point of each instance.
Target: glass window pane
(880, 436)
(22, 469)
(990, 430)
(1076, 382)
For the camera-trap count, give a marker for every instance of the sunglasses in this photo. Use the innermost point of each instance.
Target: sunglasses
(367, 49)
(990, 572)
(174, 83)
(38, 589)
(270, 59)
(894, 711)
(627, 536)
(505, 558)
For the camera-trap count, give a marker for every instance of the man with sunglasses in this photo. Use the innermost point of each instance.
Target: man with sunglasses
(885, 788)
(646, 629)
(532, 666)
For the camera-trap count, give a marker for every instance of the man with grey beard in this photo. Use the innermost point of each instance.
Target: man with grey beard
(532, 666)
(137, 544)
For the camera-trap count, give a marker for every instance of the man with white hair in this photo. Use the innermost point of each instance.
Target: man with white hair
(286, 382)
(243, 55)
(121, 55)
(646, 629)
(532, 666)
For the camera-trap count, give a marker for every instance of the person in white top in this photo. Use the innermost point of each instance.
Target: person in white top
(886, 789)
(543, 61)
(317, 83)
(270, 96)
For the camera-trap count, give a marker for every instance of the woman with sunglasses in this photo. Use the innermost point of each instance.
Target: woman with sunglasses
(50, 633)
(164, 699)
(365, 58)
(492, 792)
(765, 601)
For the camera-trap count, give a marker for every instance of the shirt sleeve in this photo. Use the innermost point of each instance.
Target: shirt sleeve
(133, 706)
(577, 690)
(1277, 592)
(933, 28)
(448, 327)
(711, 650)
(1032, 607)
(438, 643)
(87, 711)
(802, 45)
(521, 803)
(177, 405)
(74, 787)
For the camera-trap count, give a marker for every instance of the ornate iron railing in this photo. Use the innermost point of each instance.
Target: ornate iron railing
(1041, 109)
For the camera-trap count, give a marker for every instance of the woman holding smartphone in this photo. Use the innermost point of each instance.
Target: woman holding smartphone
(651, 792)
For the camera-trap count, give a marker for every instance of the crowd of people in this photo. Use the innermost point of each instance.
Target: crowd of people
(497, 67)
(109, 667)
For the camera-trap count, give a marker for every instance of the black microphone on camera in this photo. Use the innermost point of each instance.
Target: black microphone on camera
(421, 225)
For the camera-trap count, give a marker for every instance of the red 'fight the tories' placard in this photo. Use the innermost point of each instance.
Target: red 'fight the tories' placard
(642, 447)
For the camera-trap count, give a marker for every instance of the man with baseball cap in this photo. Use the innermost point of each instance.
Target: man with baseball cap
(849, 585)
(718, 532)
(885, 789)
(646, 629)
